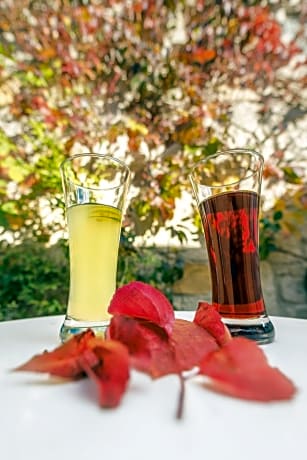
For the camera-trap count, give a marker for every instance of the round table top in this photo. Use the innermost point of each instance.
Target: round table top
(40, 420)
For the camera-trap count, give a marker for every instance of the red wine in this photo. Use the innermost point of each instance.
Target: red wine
(230, 222)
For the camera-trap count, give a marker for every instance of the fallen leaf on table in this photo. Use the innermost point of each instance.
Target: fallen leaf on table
(144, 335)
(141, 300)
(111, 373)
(209, 318)
(154, 352)
(240, 369)
(106, 362)
(64, 360)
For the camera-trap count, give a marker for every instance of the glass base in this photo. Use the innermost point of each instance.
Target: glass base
(260, 329)
(71, 327)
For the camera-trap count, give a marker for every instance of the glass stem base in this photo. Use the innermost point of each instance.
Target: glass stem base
(71, 327)
(261, 329)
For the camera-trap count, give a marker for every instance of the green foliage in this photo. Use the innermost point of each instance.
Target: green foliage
(158, 267)
(34, 280)
(269, 229)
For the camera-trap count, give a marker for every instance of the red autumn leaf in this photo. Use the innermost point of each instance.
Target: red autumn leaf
(72, 68)
(208, 317)
(104, 361)
(157, 354)
(142, 338)
(191, 344)
(111, 373)
(240, 369)
(157, 344)
(202, 55)
(141, 300)
(64, 360)
(39, 102)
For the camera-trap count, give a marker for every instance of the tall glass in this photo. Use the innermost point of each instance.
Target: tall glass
(95, 188)
(227, 189)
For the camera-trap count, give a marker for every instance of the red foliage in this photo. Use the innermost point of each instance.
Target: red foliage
(141, 300)
(208, 317)
(64, 360)
(156, 354)
(151, 341)
(240, 369)
(105, 362)
(202, 55)
(111, 374)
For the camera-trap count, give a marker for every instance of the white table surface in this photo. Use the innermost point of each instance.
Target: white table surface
(42, 421)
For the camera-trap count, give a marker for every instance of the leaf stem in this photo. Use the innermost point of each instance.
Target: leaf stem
(180, 405)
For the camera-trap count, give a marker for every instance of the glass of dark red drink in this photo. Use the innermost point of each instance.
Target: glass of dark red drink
(227, 188)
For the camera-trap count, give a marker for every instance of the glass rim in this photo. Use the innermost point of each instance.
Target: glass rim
(249, 152)
(111, 158)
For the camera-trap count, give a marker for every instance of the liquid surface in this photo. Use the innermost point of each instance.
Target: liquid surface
(94, 232)
(230, 222)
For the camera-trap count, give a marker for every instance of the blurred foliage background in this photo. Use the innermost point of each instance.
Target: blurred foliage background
(155, 83)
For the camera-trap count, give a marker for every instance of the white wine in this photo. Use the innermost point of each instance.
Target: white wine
(94, 232)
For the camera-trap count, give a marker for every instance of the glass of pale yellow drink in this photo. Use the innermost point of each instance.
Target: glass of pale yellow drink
(95, 188)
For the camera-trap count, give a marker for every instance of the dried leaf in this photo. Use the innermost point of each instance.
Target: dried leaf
(155, 343)
(106, 362)
(191, 344)
(142, 339)
(141, 300)
(63, 361)
(111, 373)
(157, 354)
(208, 317)
(241, 369)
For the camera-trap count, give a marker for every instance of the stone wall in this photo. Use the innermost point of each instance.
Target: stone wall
(283, 274)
